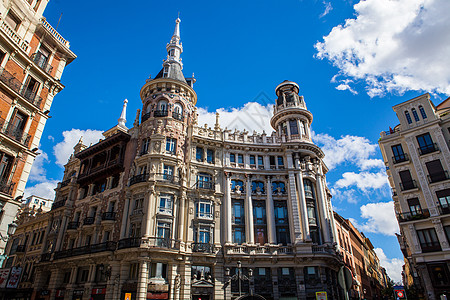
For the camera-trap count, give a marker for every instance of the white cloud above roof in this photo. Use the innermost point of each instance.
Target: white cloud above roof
(393, 46)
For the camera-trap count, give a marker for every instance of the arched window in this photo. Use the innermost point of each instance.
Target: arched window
(422, 112)
(237, 186)
(408, 117)
(416, 116)
(258, 187)
(177, 111)
(162, 105)
(278, 188)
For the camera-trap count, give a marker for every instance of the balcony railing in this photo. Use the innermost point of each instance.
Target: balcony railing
(177, 116)
(88, 220)
(161, 113)
(436, 177)
(16, 134)
(145, 117)
(411, 216)
(73, 225)
(431, 246)
(428, 149)
(58, 204)
(408, 185)
(129, 243)
(400, 158)
(167, 177)
(138, 178)
(42, 61)
(207, 185)
(13, 35)
(205, 215)
(55, 33)
(159, 242)
(444, 209)
(89, 249)
(109, 216)
(16, 85)
(203, 247)
(7, 188)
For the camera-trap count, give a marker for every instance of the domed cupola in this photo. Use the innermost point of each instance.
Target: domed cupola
(291, 119)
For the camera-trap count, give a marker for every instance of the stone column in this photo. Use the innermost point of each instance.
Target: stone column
(62, 229)
(248, 207)
(185, 280)
(219, 279)
(112, 287)
(125, 218)
(276, 292)
(270, 215)
(181, 215)
(174, 220)
(151, 211)
(55, 280)
(172, 280)
(142, 280)
(321, 203)
(302, 200)
(228, 210)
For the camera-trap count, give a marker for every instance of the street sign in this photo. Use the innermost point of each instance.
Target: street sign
(345, 278)
(321, 295)
(127, 296)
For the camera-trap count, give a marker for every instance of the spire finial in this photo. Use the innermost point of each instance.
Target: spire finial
(123, 116)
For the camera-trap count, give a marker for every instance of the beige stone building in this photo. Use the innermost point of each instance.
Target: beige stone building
(169, 209)
(33, 56)
(417, 158)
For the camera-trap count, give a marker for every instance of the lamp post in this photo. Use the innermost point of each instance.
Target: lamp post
(240, 277)
(11, 230)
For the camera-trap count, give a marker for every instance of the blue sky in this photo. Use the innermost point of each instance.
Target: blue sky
(353, 61)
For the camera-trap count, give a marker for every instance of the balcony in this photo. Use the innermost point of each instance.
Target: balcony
(431, 246)
(444, 209)
(400, 158)
(205, 215)
(42, 61)
(145, 117)
(167, 178)
(109, 216)
(88, 220)
(159, 242)
(437, 177)
(58, 204)
(165, 211)
(7, 188)
(203, 247)
(258, 250)
(408, 185)
(132, 242)
(207, 185)
(16, 85)
(89, 249)
(15, 133)
(428, 149)
(54, 33)
(138, 178)
(73, 225)
(160, 113)
(177, 116)
(22, 44)
(411, 216)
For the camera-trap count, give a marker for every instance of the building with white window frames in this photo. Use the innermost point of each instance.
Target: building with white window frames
(192, 202)
(417, 157)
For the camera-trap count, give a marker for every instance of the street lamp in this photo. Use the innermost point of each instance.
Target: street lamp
(240, 277)
(11, 229)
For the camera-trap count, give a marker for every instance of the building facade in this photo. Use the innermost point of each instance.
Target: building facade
(35, 202)
(369, 278)
(33, 56)
(417, 158)
(171, 210)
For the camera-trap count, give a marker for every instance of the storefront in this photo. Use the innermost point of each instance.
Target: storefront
(98, 293)
(77, 295)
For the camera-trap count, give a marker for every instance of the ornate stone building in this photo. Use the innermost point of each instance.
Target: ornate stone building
(33, 56)
(417, 158)
(171, 210)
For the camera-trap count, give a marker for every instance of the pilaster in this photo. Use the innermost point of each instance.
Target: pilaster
(249, 228)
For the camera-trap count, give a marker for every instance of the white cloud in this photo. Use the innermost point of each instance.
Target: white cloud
(344, 87)
(252, 117)
(393, 46)
(363, 180)
(380, 218)
(348, 149)
(327, 10)
(43, 189)
(393, 266)
(38, 171)
(64, 149)
(344, 195)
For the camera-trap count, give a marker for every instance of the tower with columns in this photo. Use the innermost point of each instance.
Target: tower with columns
(193, 206)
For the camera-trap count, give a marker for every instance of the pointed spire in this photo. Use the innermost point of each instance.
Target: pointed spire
(123, 116)
(176, 32)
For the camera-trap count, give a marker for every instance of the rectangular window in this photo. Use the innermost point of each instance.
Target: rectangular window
(407, 183)
(428, 240)
(210, 156)
(168, 172)
(293, 126)
(158, 271)
(6, 163)
(199, 154)
(165, 204)
(41, 57)
(204, 181)
(259, 212)
(12, 20)
(134, 269)
(232, 157)
(252, 160)
(281, 217)
(238, 212)
(171, 145)
(280, 162)
(444, 200)
(30, 88)
(272, 162)
(436, 171)
(145, 144)
(260, 161)
(240, 159)
(426, 144)
(163, 230)
(204, 210)
(399, 155)
(238, 235)
(204, 235)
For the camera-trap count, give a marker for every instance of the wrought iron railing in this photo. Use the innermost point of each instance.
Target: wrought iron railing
(203, 247)
(7, 188)
(65, 183)
(428, 149)
(207, 185)
(16, 85)
(89, 249)
(408, 185)
(16, 134)
(436, 177)
(58, 204)
(138, 178)
(73, 225)
(177, 116)
(167, 177)
(145, 117)
(411, 216)
(109, 216)
(42, 61)
(129, 243)
(400, 158)
(161, 113)
(88, 220)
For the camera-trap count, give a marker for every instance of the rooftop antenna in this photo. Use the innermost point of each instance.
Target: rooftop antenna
(58, 22)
